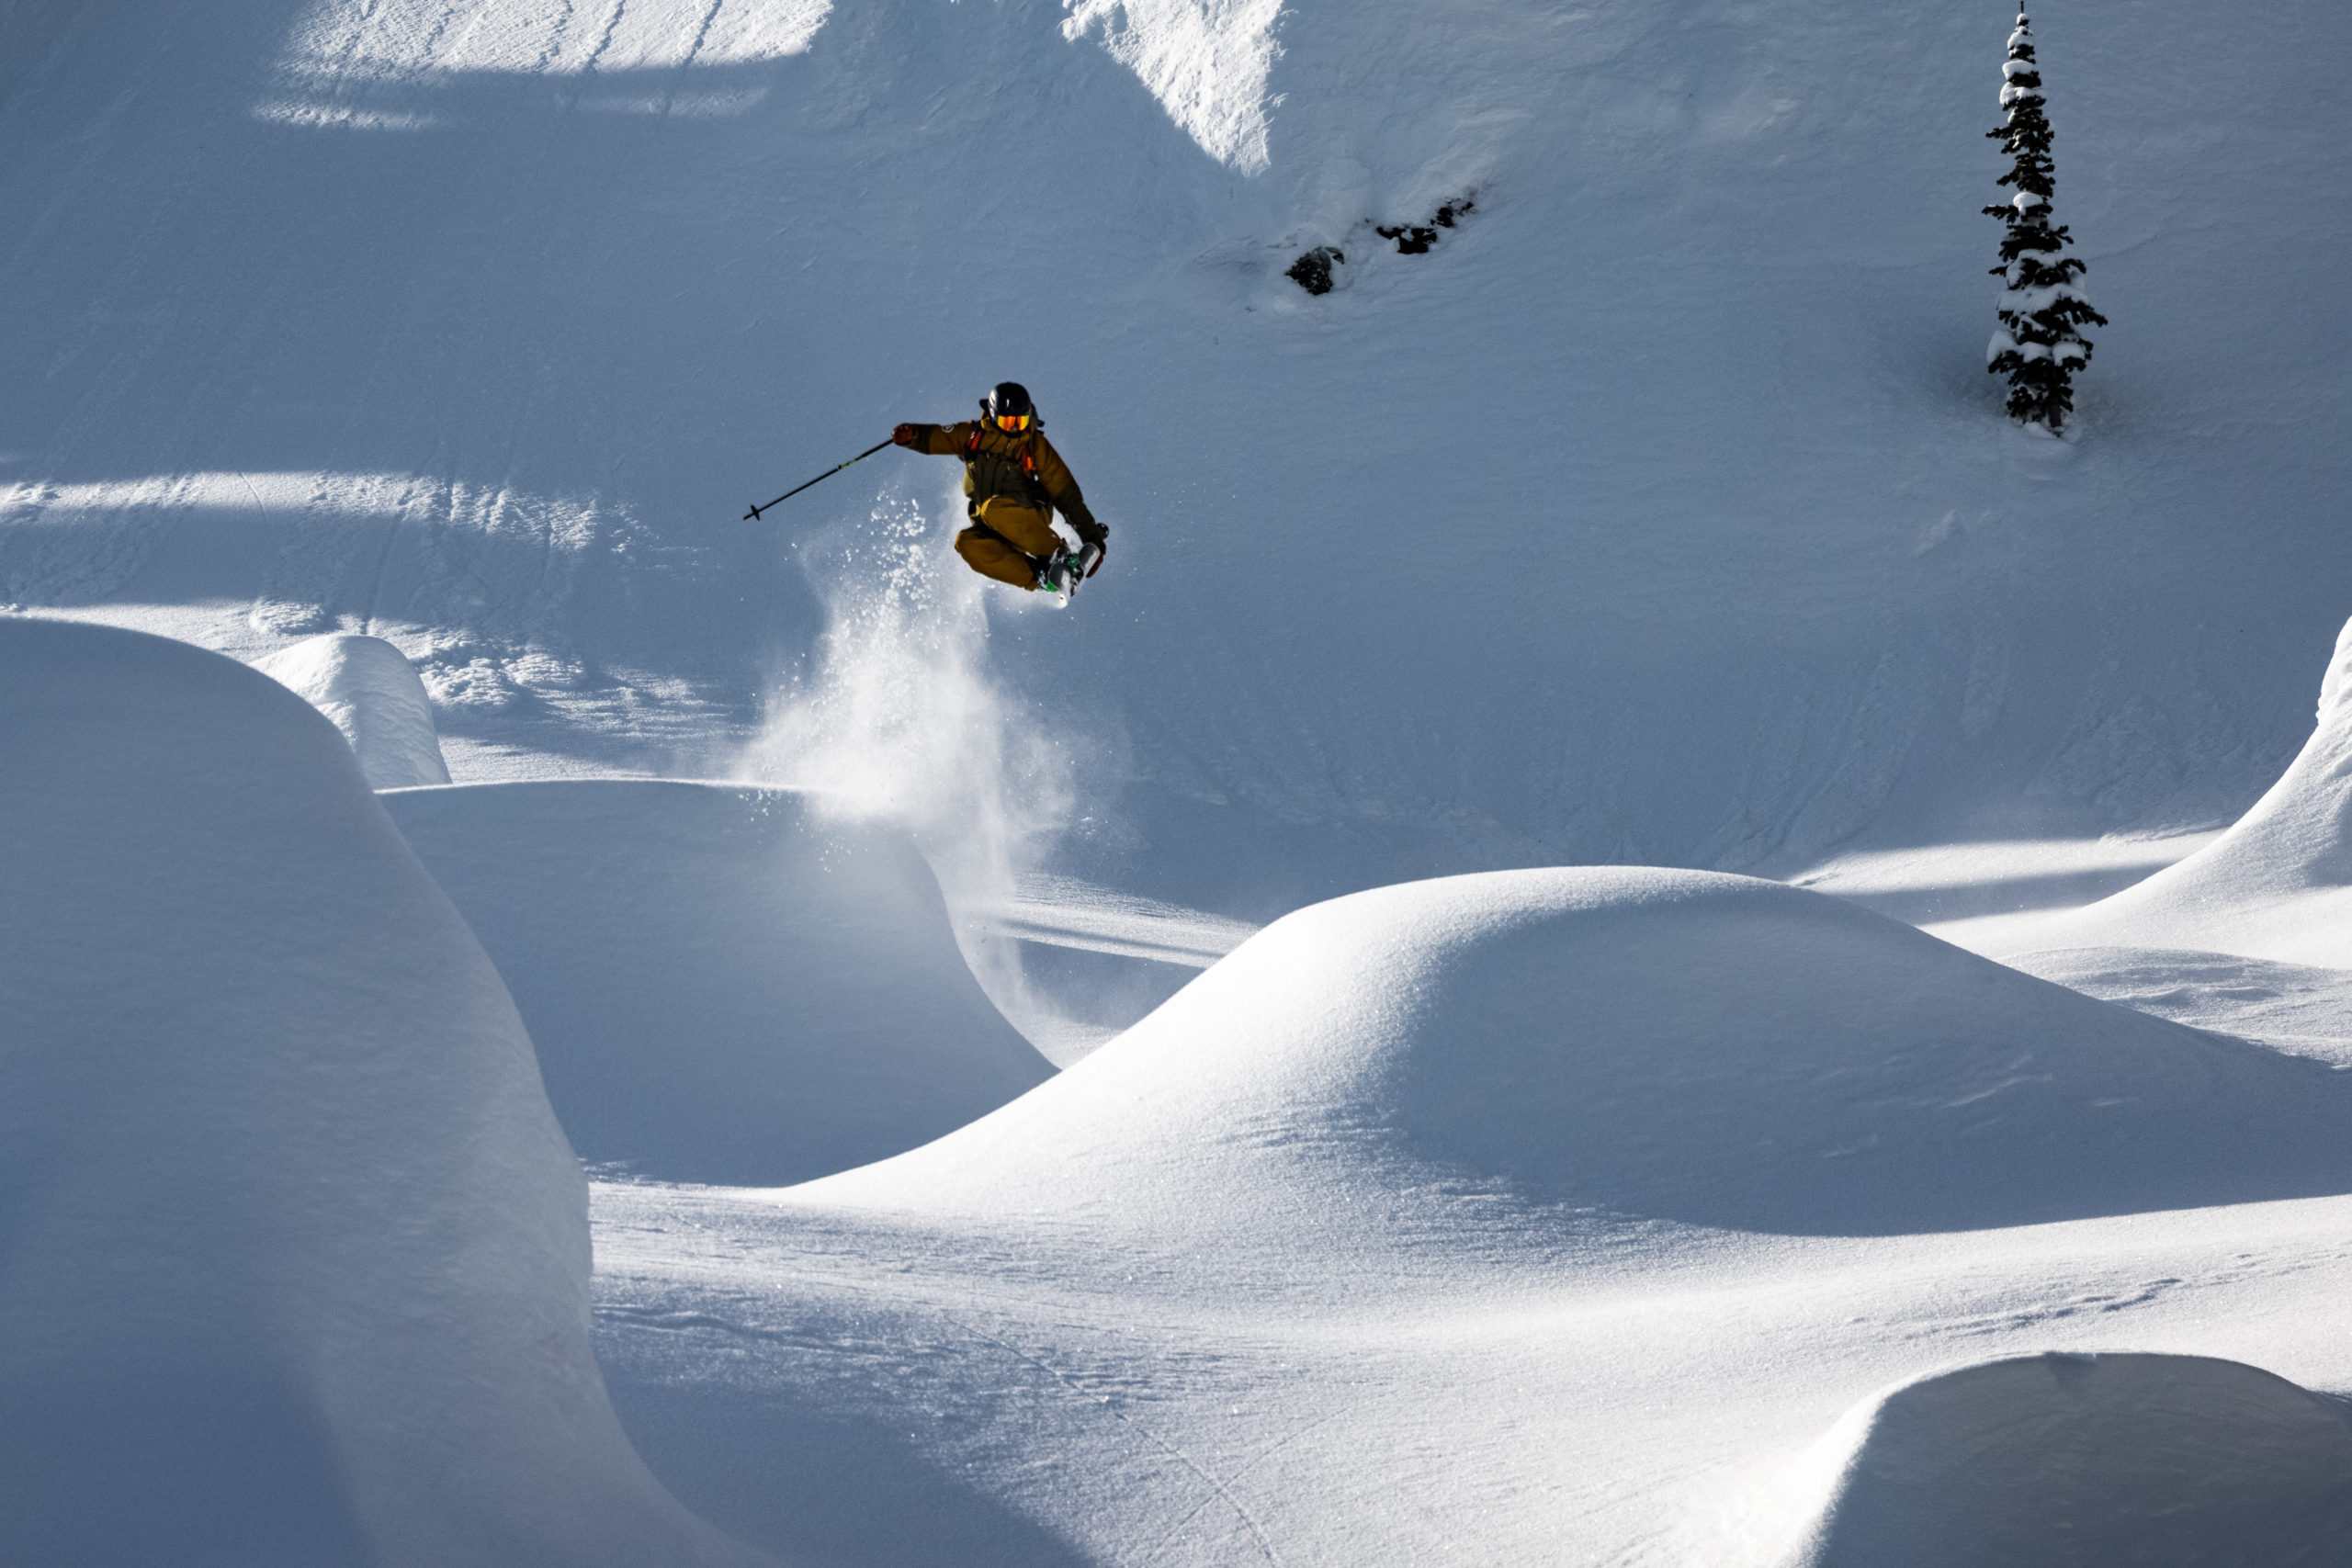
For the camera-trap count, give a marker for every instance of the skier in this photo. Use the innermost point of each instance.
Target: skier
(1014, 482)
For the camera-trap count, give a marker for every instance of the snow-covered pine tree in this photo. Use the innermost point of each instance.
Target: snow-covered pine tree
(2038, 344)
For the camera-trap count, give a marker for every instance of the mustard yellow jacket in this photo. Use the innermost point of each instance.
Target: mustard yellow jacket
(996, 463)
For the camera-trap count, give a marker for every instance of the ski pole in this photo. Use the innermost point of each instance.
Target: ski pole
(829, 473)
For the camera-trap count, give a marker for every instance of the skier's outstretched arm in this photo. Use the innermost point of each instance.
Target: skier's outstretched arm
(936, 440)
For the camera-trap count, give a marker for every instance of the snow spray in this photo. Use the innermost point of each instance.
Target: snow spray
(901, 721)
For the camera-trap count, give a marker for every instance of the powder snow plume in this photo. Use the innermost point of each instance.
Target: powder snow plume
(901, 721)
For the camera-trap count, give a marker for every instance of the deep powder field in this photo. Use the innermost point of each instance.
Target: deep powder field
(1627, 928)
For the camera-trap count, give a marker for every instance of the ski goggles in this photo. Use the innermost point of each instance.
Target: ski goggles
(1012, 422)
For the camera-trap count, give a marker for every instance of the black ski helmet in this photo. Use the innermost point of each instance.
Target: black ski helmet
(1007, 398)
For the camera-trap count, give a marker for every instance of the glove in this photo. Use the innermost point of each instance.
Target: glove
(904, 436)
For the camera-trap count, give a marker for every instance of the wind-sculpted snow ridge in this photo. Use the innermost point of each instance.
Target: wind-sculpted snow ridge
(1420, 1065)
(724, 986)
(2277, 885)
(294, 1261)
(372, 693)
(2076, 1460)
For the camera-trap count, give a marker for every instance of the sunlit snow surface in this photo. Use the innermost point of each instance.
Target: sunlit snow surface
(1602, 1216)
(362, 64)
(1582, 537)
(1660, 513)
(1535, 1217)
(890, 1393)
(375, 699)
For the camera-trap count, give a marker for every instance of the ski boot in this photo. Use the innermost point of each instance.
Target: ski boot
(1058, 573)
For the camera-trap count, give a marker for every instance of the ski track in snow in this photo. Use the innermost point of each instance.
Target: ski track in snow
(369, 64)
(475, 584)
(1065, 912)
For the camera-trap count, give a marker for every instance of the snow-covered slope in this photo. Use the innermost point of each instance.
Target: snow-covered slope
(375, 699)
(723, 986)
(2061, 1460)
(2277, 885)
(293, 1257)
(1400, 1234)
(903, 1389)
(1423, 1065)
(2302, 1010)
(1660, 512)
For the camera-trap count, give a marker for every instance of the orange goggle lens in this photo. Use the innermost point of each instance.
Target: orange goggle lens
(1014, 422)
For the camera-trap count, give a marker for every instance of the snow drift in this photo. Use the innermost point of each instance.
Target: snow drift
(722, 985)
(2302, 1010)
(293, 1256)
(1636, 1043)
(2277, 885)
(375, 697)
(2084, 1460)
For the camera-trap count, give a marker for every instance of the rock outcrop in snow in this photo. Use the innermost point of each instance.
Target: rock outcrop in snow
(2276, 886)
(375, 697)
(2071, 1461)
(294, 1261)
(1629, 1043)
(722, 987)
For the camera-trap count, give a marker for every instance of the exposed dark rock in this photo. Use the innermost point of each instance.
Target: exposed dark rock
(1312, 270)
(1415, 239)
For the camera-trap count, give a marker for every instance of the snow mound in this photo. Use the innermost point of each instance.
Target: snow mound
(722, 986)
(2276, 886)
(2069, 1461)
(375, 697)
(1660, 1044)
(296, 1263)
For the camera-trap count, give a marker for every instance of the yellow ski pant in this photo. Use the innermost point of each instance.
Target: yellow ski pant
(1010, 531)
